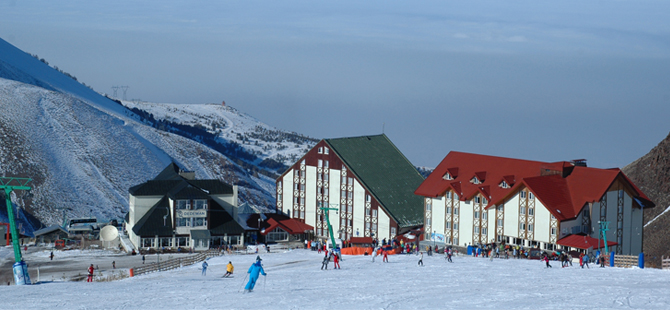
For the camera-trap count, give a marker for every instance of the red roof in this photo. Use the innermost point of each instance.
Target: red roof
(563, 196)
(291, 226)
(584, 242)
(493, 169)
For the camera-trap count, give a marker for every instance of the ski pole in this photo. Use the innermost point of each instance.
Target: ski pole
(245, 280)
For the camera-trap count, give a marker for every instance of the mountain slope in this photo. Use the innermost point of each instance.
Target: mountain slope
(84, 150)
(651, 173)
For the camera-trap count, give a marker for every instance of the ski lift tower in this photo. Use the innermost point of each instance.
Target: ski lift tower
(330, 228)
(21, 276)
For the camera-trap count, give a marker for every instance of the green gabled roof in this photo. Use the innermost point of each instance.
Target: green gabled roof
(386, 173)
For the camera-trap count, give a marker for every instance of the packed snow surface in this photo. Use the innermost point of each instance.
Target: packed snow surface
(294, 281)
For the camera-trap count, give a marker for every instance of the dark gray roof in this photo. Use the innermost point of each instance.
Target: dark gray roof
(48, 230)
(221, 222)
(155, 222)
(174, 187)
(171, 172)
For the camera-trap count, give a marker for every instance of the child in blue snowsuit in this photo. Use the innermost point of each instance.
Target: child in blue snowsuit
(255, 269)
(204, 267)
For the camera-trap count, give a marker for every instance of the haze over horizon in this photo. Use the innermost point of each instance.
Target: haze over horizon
(533, 80)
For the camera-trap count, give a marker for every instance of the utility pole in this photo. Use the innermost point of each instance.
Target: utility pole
(9, 185)
(330, 228)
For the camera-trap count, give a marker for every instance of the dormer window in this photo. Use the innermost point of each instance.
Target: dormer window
(447, 176)
(504, 184)
(474, 180)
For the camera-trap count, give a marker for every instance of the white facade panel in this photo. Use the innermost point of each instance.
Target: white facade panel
(491, 213)
(384, 223)
(334, 184)
(466, 224)
(511, 226)
(359, 211)
(542, 222)
(310, 196)
(438, 215)
(287, 191)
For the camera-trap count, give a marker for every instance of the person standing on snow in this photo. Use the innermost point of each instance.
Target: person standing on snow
(545, 258)
(336, 261)
(374, 254)
(420, 259)
(204, 267)
(386, 256)
(255, 269)
(90, 273)
(229, 270)
(324, 263)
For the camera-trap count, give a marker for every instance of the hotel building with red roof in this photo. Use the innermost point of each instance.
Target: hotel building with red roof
(472, 199)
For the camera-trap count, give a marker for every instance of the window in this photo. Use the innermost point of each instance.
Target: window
(448, 210)
(199, 221)
(182, 241)
(343, 222)
(325, 191)
(477, 199)
(302, 201)
(500, 223)
(326, 151)
(530, 227)
(182, 204)
(467, 202)
(350, 195)
(428, 207)
(448, 225)
(325, 163)
(484, 201)
(530, 195)
(504, 184)
(296, 186)
(553, 231)
(621, 193)
(522, 194)
(522, 226)
(367, 211)
(200, 204)
(319, 176)
(302, 187)
(392, 231)
(447, 176)
(531, 211)
(374, 226)
(367, 226)
(319, 163)
(351, 181)
(455, 211)
(485, 215)
(350, 209)
(485, 231)
(523, 210)
(449, 195)
(320, 150)
(279, 184)
(476, 214)
(374, 213)
(182, 222)
(455, 240)
(474, 180)
(367, 198)
(456, 226)
(500, 208)
(476, 229)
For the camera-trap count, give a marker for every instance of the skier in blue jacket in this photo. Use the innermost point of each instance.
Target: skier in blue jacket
(255, 269)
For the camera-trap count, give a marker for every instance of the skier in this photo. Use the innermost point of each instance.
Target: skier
(421, 259)
(229, 270)
(143, 258)
(585, 260)
(204, 267)
(324, 263)
(386, 257)
(113, 264)
(545, 258)
(51, 255)
(90, 273)
(449, 253)
(255, 269)
(336, 261)
(374, 254)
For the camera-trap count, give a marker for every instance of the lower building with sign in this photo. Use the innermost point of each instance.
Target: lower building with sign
(174, 210)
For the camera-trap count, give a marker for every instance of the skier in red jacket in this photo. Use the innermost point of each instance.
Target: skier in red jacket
(336, 261)
(386, 256)
(90, 273)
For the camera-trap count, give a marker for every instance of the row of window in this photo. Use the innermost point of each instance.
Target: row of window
(198, 204)
(191, 222)
(323, 150)
(166, 242)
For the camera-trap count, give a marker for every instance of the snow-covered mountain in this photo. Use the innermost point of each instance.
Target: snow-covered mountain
(84, 150)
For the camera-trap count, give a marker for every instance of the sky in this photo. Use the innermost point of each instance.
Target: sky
(537, 80)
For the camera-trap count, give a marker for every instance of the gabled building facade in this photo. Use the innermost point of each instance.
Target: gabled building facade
(472, 199)
(367, 179)
(174, 210)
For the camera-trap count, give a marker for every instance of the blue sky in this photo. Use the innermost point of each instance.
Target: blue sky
(539, 80)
